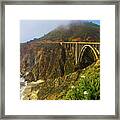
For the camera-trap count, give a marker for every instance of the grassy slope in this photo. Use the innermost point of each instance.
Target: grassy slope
(87, 86)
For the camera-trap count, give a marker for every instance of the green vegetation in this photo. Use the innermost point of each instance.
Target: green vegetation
(88, 87)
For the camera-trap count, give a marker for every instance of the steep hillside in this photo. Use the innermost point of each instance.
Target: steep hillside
(85, 31)
(78, 85)
(76, 30)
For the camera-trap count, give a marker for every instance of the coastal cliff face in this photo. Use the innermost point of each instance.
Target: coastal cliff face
(46, 61)
(50, 69)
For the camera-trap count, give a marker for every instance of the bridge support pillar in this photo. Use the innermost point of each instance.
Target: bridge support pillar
(70, 47)
(76, 51)
(60, 43)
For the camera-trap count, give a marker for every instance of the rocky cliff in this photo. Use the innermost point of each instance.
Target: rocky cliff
(46, 61)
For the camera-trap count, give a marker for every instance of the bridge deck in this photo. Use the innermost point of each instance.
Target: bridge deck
(89, 43)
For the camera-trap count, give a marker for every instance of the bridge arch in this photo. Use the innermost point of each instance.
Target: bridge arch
(88, 55)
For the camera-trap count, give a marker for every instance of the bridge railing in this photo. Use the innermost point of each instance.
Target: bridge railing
(89, 43)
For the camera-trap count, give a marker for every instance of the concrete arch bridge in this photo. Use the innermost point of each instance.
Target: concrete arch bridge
(85, 53)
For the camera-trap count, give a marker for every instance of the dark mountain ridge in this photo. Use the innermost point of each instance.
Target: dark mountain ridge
(86, 31)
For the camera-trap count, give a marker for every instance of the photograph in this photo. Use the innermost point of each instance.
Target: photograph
(60, 60)
(56, 61)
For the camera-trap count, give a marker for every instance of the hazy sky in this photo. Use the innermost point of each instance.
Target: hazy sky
(30, 29)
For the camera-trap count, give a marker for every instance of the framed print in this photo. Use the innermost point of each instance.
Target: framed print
(59, 59)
